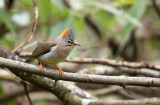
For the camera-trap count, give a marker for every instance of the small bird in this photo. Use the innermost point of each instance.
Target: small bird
(54, 50)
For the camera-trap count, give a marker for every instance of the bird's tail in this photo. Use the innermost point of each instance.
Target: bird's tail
(28, 60)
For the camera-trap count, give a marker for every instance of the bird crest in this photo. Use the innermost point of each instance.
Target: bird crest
(64, 33)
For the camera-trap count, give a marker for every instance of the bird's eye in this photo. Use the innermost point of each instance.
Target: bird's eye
(69, 41)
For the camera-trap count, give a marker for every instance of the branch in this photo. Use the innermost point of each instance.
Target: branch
(20, 47)
(75, 96)
(114, 63)
(107, 70)
(65, 91)
(116, 68)
(84, 78)
(124, 102)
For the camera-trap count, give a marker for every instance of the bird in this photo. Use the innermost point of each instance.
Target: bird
(54, 50)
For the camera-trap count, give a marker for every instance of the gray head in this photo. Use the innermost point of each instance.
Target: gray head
(68, 37)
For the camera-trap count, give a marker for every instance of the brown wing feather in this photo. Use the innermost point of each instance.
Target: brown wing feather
(42, 48)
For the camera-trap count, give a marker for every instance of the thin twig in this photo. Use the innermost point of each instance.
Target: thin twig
(114, 63)
(105, 91)
(26, 92)
(13, 94)
(31, 34)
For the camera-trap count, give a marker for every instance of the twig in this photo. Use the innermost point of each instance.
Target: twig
(34, 25)
(13, 94)
(114, 63)
(26, 92)
(84, 78)
(108, 70)
(105, 91)
(141, 71)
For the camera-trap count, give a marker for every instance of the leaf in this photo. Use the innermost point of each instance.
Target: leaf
(119, 13)
(124, 2)
(137, 11)
(4, 17)
(45, 10)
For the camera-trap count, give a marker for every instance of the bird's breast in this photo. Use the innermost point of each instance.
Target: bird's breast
(55, 55)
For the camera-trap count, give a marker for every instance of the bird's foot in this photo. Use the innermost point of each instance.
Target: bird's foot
(60, 71)
(41, 66)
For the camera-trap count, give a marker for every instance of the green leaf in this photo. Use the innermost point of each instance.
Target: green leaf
(124, 2)
(57, 29)
(45, 10)
(4, 17)
(137, 11)
(119, 13)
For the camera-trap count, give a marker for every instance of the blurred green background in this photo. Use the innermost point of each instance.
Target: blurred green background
(113, 29)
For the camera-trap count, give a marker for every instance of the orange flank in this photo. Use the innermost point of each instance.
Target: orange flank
(64, 34)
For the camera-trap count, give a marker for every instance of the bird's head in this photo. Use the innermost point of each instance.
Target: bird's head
(68, 38)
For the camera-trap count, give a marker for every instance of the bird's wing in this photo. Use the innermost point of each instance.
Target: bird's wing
(42, 48)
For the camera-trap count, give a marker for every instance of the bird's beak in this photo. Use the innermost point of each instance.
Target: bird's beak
(75, 43)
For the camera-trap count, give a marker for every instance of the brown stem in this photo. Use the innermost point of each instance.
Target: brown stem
(114, 63)
(83, 78)
(31, 34)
